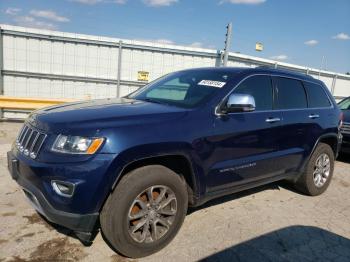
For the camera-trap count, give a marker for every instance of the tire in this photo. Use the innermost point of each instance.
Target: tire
(307, 183)
(128, 200)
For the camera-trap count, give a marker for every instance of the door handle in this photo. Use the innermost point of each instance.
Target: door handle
(313, 116)
(273, 119)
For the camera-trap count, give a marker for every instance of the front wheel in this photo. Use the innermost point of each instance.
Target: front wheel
(145, 211)
(319, 171)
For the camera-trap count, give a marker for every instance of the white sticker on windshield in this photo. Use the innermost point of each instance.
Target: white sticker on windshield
(212, 83)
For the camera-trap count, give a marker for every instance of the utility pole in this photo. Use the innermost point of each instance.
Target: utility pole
(322, 66)
(227, 43)
(119, 68)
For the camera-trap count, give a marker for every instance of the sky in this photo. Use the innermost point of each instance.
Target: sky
(312, 33)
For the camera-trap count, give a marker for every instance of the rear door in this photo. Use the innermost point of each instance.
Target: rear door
(291, 101)
(319, 111)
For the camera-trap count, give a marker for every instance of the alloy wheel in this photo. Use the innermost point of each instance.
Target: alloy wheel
(321, 170)
(151, 214)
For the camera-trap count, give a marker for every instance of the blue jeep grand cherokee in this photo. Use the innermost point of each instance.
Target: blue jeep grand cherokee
(133, 165)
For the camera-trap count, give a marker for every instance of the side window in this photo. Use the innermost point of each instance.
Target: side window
(290, 93)
(260, 88)
(317, 96)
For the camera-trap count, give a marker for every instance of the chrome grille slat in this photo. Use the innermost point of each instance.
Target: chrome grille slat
(41, 143)
(25, 140)
(35, 139)
(25, 130)
(20, 134)
(29, 141)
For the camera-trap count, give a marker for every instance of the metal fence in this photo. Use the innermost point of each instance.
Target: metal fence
(50, 64)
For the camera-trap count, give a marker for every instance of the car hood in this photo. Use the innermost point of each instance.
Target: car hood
(101, 113)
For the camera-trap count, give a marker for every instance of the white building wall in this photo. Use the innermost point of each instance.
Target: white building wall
(50, 57)
(342, 87)
(328, 80)
(48, 64)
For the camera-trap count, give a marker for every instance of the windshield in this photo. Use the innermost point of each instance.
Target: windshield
(345, 104)
(185, 89)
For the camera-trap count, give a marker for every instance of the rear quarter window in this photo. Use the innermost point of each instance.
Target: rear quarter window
(316, 95)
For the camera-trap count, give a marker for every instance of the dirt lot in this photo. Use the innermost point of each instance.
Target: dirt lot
(271, 223)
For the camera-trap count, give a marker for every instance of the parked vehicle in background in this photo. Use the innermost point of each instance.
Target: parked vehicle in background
(344, 105)
(135, 164)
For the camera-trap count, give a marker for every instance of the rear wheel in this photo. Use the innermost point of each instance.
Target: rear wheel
(319, 171)
(145, 211)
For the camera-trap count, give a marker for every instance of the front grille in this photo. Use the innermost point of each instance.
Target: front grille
(29, 141)
(345, 128)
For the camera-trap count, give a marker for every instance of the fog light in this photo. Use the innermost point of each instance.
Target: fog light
(65, 189)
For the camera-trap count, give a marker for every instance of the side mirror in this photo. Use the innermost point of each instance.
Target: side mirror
(239, 103)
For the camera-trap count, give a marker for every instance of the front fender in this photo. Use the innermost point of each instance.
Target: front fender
(149, 151)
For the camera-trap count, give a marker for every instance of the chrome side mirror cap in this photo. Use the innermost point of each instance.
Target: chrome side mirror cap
(239, 103)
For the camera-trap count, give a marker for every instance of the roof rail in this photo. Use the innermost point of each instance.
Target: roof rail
(283, 69)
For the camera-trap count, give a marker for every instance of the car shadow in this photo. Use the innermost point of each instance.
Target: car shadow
(294, 243)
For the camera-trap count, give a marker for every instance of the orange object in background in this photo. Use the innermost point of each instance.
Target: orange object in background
(25, 103)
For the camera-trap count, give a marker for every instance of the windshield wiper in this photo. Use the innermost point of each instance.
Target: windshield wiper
(162, 102)
(152, 100)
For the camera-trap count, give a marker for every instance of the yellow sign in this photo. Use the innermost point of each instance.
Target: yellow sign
(259, 47)
(142, 76)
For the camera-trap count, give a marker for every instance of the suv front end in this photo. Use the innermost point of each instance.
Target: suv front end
(65, 187)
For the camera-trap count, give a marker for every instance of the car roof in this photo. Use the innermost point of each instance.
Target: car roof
(258, 70)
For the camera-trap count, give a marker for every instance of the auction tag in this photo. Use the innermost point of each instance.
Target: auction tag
(212, 83)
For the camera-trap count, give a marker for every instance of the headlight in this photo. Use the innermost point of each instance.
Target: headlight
(77, 144)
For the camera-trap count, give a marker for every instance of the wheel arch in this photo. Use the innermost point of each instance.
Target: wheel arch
(179, 163)
(329, 138)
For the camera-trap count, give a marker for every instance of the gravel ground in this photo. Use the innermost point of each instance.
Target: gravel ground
(270, 223)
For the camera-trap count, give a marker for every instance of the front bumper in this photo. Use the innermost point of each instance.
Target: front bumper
(80, 212)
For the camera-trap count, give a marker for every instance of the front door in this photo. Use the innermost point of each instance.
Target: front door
(245, 144)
